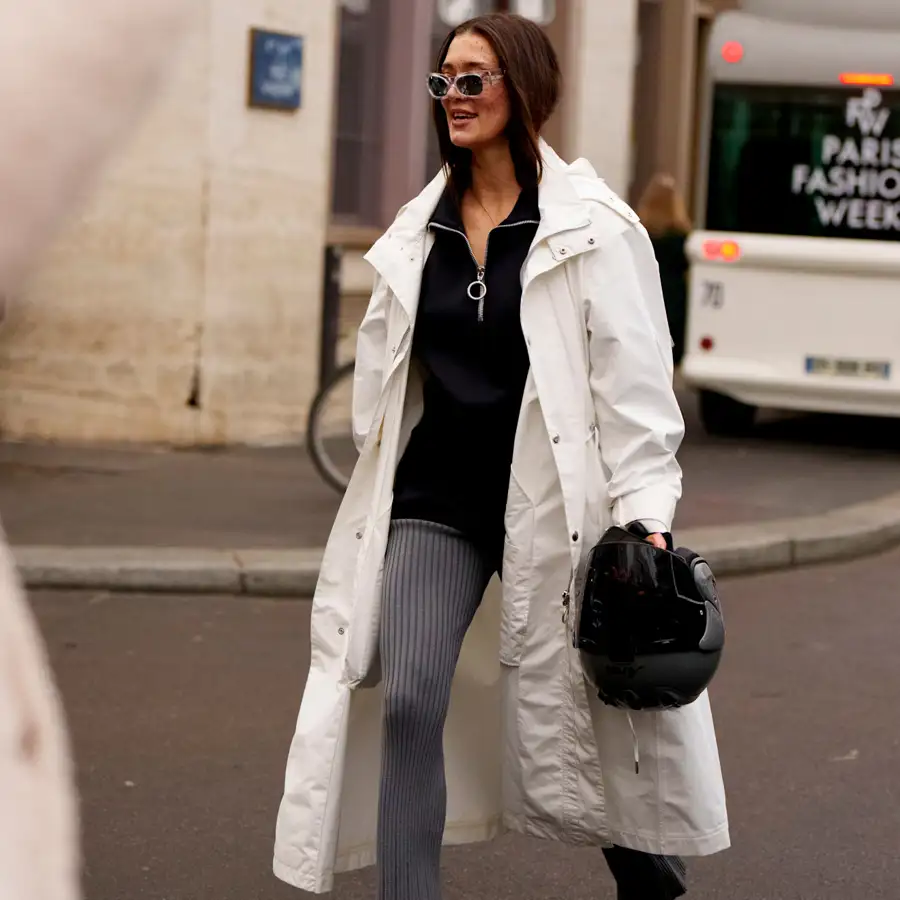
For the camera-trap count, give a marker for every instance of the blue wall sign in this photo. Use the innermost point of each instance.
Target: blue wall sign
(276, 65)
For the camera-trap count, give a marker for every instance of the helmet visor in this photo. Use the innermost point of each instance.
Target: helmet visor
(636, 601)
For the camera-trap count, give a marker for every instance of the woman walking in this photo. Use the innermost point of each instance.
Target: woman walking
(663, 213)
(513, 399)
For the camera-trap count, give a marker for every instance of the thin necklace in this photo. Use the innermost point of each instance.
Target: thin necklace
(485, 210)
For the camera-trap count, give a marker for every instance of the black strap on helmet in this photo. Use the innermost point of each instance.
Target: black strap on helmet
(638, 529)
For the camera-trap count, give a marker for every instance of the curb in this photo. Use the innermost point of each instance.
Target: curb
(172, 570)
(851, 532)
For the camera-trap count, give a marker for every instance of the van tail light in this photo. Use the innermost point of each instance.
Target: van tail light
(732, 52)
(867, 79)
(722, 251)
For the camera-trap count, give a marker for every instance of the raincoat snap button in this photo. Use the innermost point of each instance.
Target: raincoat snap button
(563, 251)
(575, 536)
(359, 535)
(591, 241)
(340, 630)
(555, 438)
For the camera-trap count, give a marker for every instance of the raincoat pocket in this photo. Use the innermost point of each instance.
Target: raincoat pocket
(362, 664)
(518, 554)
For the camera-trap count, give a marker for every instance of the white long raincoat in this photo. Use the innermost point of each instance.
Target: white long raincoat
(528, 747)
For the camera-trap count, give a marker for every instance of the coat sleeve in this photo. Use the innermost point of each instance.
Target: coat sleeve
(40, 856)
(368, 377)
(638, 417)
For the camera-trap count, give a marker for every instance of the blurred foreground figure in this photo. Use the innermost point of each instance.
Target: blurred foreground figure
(74, 77)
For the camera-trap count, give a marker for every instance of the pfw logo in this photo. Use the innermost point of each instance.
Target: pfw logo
(864, 112)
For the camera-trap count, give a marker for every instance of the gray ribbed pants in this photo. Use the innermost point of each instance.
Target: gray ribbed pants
(433, 583)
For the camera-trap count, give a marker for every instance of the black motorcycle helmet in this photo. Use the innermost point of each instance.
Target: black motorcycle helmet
(650, 627)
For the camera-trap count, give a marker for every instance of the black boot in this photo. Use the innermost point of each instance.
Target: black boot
(644, 876)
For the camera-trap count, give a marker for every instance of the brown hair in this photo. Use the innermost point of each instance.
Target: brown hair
(662, 208)
(533, 81)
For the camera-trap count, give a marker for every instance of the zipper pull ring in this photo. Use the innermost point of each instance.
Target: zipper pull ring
(478, 291)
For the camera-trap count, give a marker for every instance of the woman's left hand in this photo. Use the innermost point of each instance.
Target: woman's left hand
(657, 540)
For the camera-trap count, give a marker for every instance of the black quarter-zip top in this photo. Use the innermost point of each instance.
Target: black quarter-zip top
(468, 339)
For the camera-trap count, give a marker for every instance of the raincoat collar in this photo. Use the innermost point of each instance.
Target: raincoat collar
(564, 196)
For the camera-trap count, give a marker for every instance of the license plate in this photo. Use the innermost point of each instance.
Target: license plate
(848, 368)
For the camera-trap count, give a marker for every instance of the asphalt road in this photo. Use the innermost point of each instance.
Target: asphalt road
(182, 709)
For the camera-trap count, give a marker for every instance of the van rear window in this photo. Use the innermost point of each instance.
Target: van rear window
(818, 162)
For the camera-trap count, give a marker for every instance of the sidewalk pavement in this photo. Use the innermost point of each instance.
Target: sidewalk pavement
(254, 521)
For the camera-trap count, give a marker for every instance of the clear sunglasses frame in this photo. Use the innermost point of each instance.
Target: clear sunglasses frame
(468, 84)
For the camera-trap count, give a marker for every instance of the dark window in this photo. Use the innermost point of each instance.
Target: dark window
(819, 162)
(359, 139)
(440, 30)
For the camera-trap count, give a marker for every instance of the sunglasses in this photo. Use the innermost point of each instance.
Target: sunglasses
(469, 84)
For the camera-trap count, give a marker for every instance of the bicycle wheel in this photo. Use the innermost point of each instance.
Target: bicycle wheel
(329, 432)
